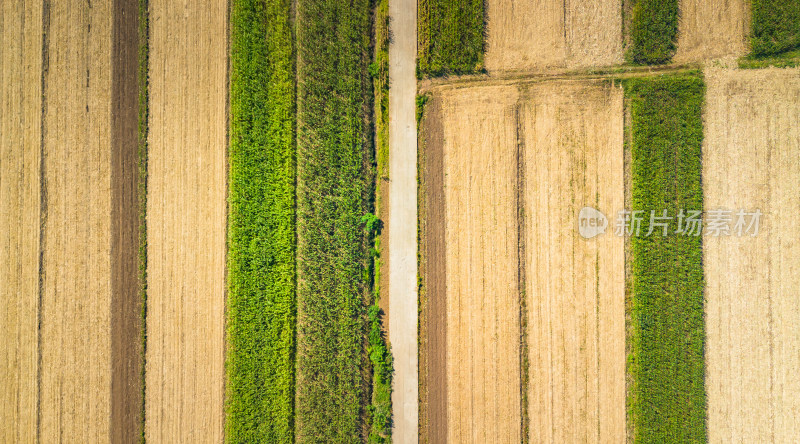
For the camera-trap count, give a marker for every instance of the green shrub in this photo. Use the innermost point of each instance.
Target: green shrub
(667, 395)
(654, 31)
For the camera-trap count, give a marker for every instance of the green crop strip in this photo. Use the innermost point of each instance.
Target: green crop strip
(335, 162)
(451, 37)
(262, 231)
(654, 31)
(775, 26)
(667, 397)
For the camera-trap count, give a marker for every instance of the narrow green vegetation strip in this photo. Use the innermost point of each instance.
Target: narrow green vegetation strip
(450, 37)
(380, 412)
(667, 397)
(654, 31)
(262, 232)
(335, 160)
(775, 27)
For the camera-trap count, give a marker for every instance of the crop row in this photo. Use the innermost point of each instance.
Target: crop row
(653, 31)
(775, 27)
(335, 156)
(262, 246)
(450, 37)
(667, 400)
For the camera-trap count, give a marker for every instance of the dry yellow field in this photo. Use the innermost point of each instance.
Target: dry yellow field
(75, 313)
(20, 149)
(482, 296)
(752, 161)
(540, 34)
(185, 372)
(712, 28)
(575, 288)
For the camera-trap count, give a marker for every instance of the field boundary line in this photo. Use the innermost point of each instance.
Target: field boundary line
(521, 276)
(523, 78)
(42, 209)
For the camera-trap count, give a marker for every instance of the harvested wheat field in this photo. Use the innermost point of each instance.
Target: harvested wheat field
(752, 161)
(482, 296)
(186, 208)
(20, 148)
(575, 288)
(540, 34)
(712, 28)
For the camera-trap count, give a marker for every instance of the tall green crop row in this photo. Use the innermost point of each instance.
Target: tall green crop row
(775, 26)
(334, 192)
(667, 397)
(654, 31)
(450, 37)
(262, 233)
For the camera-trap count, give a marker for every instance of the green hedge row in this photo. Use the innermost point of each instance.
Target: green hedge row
(262, 232)
(653, 31)
(775, 27)
(667, 396)
(335, 187)
(451, 37)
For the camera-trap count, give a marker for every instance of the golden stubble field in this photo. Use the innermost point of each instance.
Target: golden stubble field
(517, 165)
(712, 28)
(752, 161)
(186, 221)
(20, 127)
(542, 34)
(573, 137)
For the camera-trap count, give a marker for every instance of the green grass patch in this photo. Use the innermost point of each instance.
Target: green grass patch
(790, 59)
(775, 26)
(450, 37)
(335, 160)
(667, 397)
(262, 231)
(654, 31)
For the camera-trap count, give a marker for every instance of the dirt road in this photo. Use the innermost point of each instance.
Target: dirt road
(186, 222)
(402, 213)
(20, 149)
(573, 145)
(752, 161)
